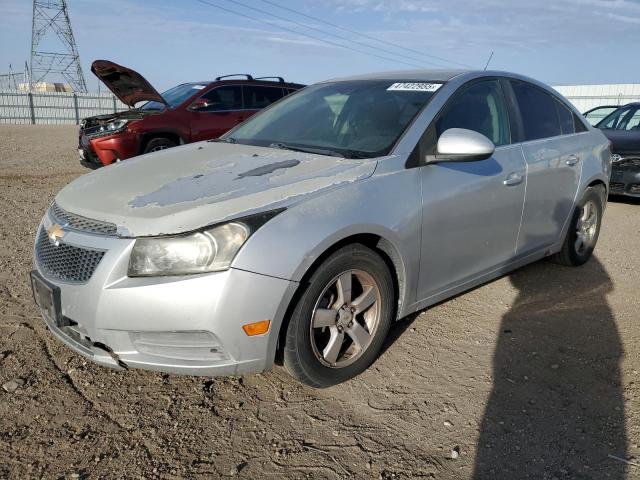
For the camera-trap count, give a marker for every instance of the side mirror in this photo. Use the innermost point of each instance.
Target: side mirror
(199, 104)
(462, 145)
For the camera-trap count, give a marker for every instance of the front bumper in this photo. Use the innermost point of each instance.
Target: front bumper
(625, 180)
(102, 151)
(119, 322)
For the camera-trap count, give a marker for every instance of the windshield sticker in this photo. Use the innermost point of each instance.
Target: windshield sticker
(415, 87)
(198, 87)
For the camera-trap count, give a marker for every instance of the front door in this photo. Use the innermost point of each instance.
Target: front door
(471, 210)
(224, 112)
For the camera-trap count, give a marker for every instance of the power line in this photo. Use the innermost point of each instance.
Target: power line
(370, 37)
(342, 37)
(273, 24)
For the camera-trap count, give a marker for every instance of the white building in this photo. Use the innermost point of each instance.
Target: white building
(586, 97)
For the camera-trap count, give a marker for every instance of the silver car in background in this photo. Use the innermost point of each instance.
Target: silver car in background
(302, 234)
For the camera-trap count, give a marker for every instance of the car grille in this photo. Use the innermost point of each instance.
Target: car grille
(628, 162)
(66, 262)
(616, 186)
(83, 224)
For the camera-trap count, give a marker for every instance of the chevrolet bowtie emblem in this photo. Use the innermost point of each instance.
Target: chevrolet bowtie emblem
(55, 233)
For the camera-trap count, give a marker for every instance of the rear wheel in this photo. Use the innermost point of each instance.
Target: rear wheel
(341, 320)
(157, 144)
(584, 229)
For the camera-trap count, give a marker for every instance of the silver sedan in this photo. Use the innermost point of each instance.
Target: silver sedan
(303, 233)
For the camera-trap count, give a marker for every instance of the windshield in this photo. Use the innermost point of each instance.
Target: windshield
(594, 116)
(353, 119)
(625, 118)
(174, 96)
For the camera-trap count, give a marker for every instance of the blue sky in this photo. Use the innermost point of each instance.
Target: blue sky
(169, 42)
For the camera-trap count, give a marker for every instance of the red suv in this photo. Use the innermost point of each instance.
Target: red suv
(187, 113)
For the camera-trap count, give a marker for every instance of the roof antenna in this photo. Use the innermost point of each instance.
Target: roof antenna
(488, 61)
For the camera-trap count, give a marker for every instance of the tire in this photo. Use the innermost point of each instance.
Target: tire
(157, 144)
(317, 322)
(574, 252)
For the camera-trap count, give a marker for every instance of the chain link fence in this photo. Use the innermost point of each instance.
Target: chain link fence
(33, 108)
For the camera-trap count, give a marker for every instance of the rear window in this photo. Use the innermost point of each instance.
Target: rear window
(538, 109)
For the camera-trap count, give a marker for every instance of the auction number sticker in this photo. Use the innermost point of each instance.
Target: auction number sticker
(414, 87)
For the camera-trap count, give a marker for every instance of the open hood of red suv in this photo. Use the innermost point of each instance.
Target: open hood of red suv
(126, 84)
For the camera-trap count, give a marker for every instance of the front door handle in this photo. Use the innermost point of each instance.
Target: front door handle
(572, 160)
(513, 179)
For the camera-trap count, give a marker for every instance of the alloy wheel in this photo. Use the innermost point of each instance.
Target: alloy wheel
(345, 318)
(586, 227)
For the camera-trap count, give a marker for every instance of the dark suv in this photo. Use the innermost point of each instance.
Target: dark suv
(622, 128)
(186, 113)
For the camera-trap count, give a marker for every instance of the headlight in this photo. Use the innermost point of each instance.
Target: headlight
(114, 126)
(209, 250)
(107, 129)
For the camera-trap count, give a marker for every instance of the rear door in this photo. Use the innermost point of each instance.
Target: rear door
(471, 210)
(224, 112)
(553, 151)
(257, 97)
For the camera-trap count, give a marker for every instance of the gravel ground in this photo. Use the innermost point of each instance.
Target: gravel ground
(535, 375)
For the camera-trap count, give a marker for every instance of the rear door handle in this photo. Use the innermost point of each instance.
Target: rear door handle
(513, 179)
(572, 160)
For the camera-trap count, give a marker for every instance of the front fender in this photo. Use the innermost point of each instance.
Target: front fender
(387, 205)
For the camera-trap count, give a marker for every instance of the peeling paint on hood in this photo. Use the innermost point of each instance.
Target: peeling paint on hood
(188, 187)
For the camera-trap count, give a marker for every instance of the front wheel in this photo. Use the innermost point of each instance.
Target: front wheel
(341, 320)
(584, 229)
(157, 144)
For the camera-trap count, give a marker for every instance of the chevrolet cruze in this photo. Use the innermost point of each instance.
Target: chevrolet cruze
(303, 233)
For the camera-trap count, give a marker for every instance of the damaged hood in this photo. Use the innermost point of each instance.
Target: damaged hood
(199, 184)
(126, 84)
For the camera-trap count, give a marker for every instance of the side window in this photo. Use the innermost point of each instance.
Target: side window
(566, 119)
(538, 109)
(481, 108)
(256, 97)
(578, 124)
(228, 97)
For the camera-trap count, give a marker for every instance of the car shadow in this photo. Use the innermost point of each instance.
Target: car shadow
(556, 409)
(624, 199)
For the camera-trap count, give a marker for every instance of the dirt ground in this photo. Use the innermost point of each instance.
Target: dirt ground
(535, 375)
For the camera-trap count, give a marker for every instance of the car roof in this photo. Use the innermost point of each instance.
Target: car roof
(250, 82)
(433, 75)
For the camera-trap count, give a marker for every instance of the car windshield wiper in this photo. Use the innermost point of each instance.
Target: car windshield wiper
(319, 151)
(223, 140)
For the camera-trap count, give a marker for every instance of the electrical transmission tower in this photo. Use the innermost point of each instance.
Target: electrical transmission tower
(52, 17)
